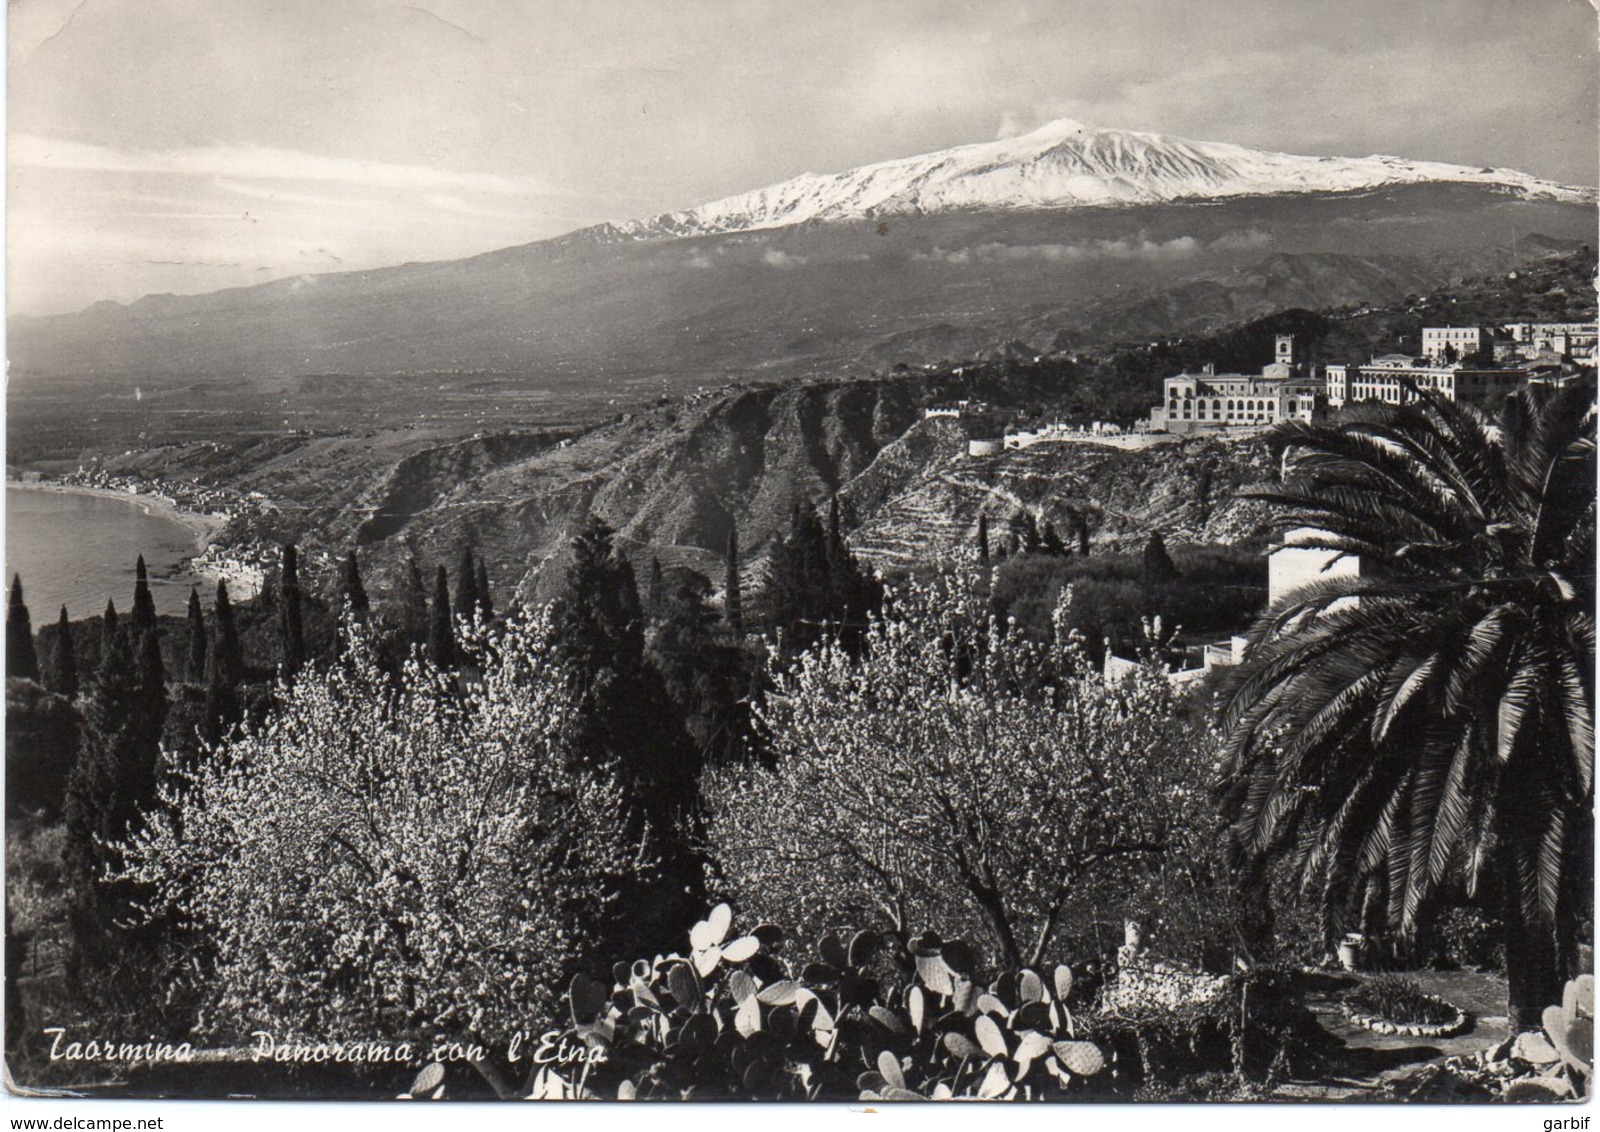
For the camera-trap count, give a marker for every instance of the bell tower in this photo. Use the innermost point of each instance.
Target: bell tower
(1284, 353)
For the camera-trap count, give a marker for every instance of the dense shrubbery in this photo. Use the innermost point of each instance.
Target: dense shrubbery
(1234, 1044)
(1468, 937)
(1215, 587)
(41, 746)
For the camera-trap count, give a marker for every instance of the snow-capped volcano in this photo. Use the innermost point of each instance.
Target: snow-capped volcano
(1068, 164)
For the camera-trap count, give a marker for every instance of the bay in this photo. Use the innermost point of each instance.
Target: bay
(79, 549)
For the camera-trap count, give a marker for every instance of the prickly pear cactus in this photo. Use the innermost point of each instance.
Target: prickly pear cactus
(868, 1017)
(1570, 1029)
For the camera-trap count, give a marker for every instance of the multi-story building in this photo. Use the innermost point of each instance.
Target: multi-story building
(1198, 402)
(1456, 343)
(1572, 341)
(1390, 378)
(1531, 331)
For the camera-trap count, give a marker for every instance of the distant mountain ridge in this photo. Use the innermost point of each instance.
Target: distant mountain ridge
(675, 478)
(1066, 164)
(1019, 239)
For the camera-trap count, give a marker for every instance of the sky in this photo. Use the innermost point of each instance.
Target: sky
(190, 145)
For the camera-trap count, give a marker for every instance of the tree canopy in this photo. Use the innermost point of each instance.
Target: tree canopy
(398, 859)
(943, 780)
(1431, 721)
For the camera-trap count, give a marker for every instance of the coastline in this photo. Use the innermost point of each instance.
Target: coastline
(202, 526)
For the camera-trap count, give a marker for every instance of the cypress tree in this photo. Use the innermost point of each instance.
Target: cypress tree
(108, 706)
(1025, 533)
(22, 659)
(441, 633)
(226, 647)
(151, 682)
(66, 667)
(1050, 542)
(417, 621)
(144, 604)
(291, 624)
(93, 812)
(466, 604)
(222, 697)
(733, 599)
(655, 591)
(983, 538)
(851, 593)
(1080, 527)
(355, 594)
(814, 582)
(599, 626)
(485, 600)
(704, 674)
(798, 586)
(1156, 566)
(195, 668)
(114, 779)
(837, 563)
(108, 626)
(626, 723)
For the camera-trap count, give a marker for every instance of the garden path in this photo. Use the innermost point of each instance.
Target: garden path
(1367, 1060)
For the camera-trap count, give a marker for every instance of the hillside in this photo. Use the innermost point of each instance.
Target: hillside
(576, 322)
(674, 478)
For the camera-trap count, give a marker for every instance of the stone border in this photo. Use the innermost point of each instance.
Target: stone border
(1414, 1030)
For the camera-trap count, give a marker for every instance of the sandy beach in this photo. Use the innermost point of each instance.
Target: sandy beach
(203, 526)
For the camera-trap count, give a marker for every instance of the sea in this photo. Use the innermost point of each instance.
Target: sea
(78, 550)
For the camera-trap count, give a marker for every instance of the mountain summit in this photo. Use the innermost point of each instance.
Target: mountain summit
(1067, 164)
(1092, 234)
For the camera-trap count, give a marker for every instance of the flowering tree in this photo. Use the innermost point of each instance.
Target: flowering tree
(403, 859)
(951, 777)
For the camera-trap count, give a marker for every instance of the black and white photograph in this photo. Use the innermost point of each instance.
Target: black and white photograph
(842, 553)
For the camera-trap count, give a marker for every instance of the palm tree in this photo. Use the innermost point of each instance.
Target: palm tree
(1437, 731)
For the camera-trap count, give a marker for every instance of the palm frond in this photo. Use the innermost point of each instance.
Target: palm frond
(1442, 722)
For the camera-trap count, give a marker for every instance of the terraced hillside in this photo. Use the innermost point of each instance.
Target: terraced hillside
(923, 497)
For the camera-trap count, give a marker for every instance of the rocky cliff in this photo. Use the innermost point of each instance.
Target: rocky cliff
(674, 480)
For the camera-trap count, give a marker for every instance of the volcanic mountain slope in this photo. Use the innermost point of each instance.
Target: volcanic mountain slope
(903, 261)
(1065, 164)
